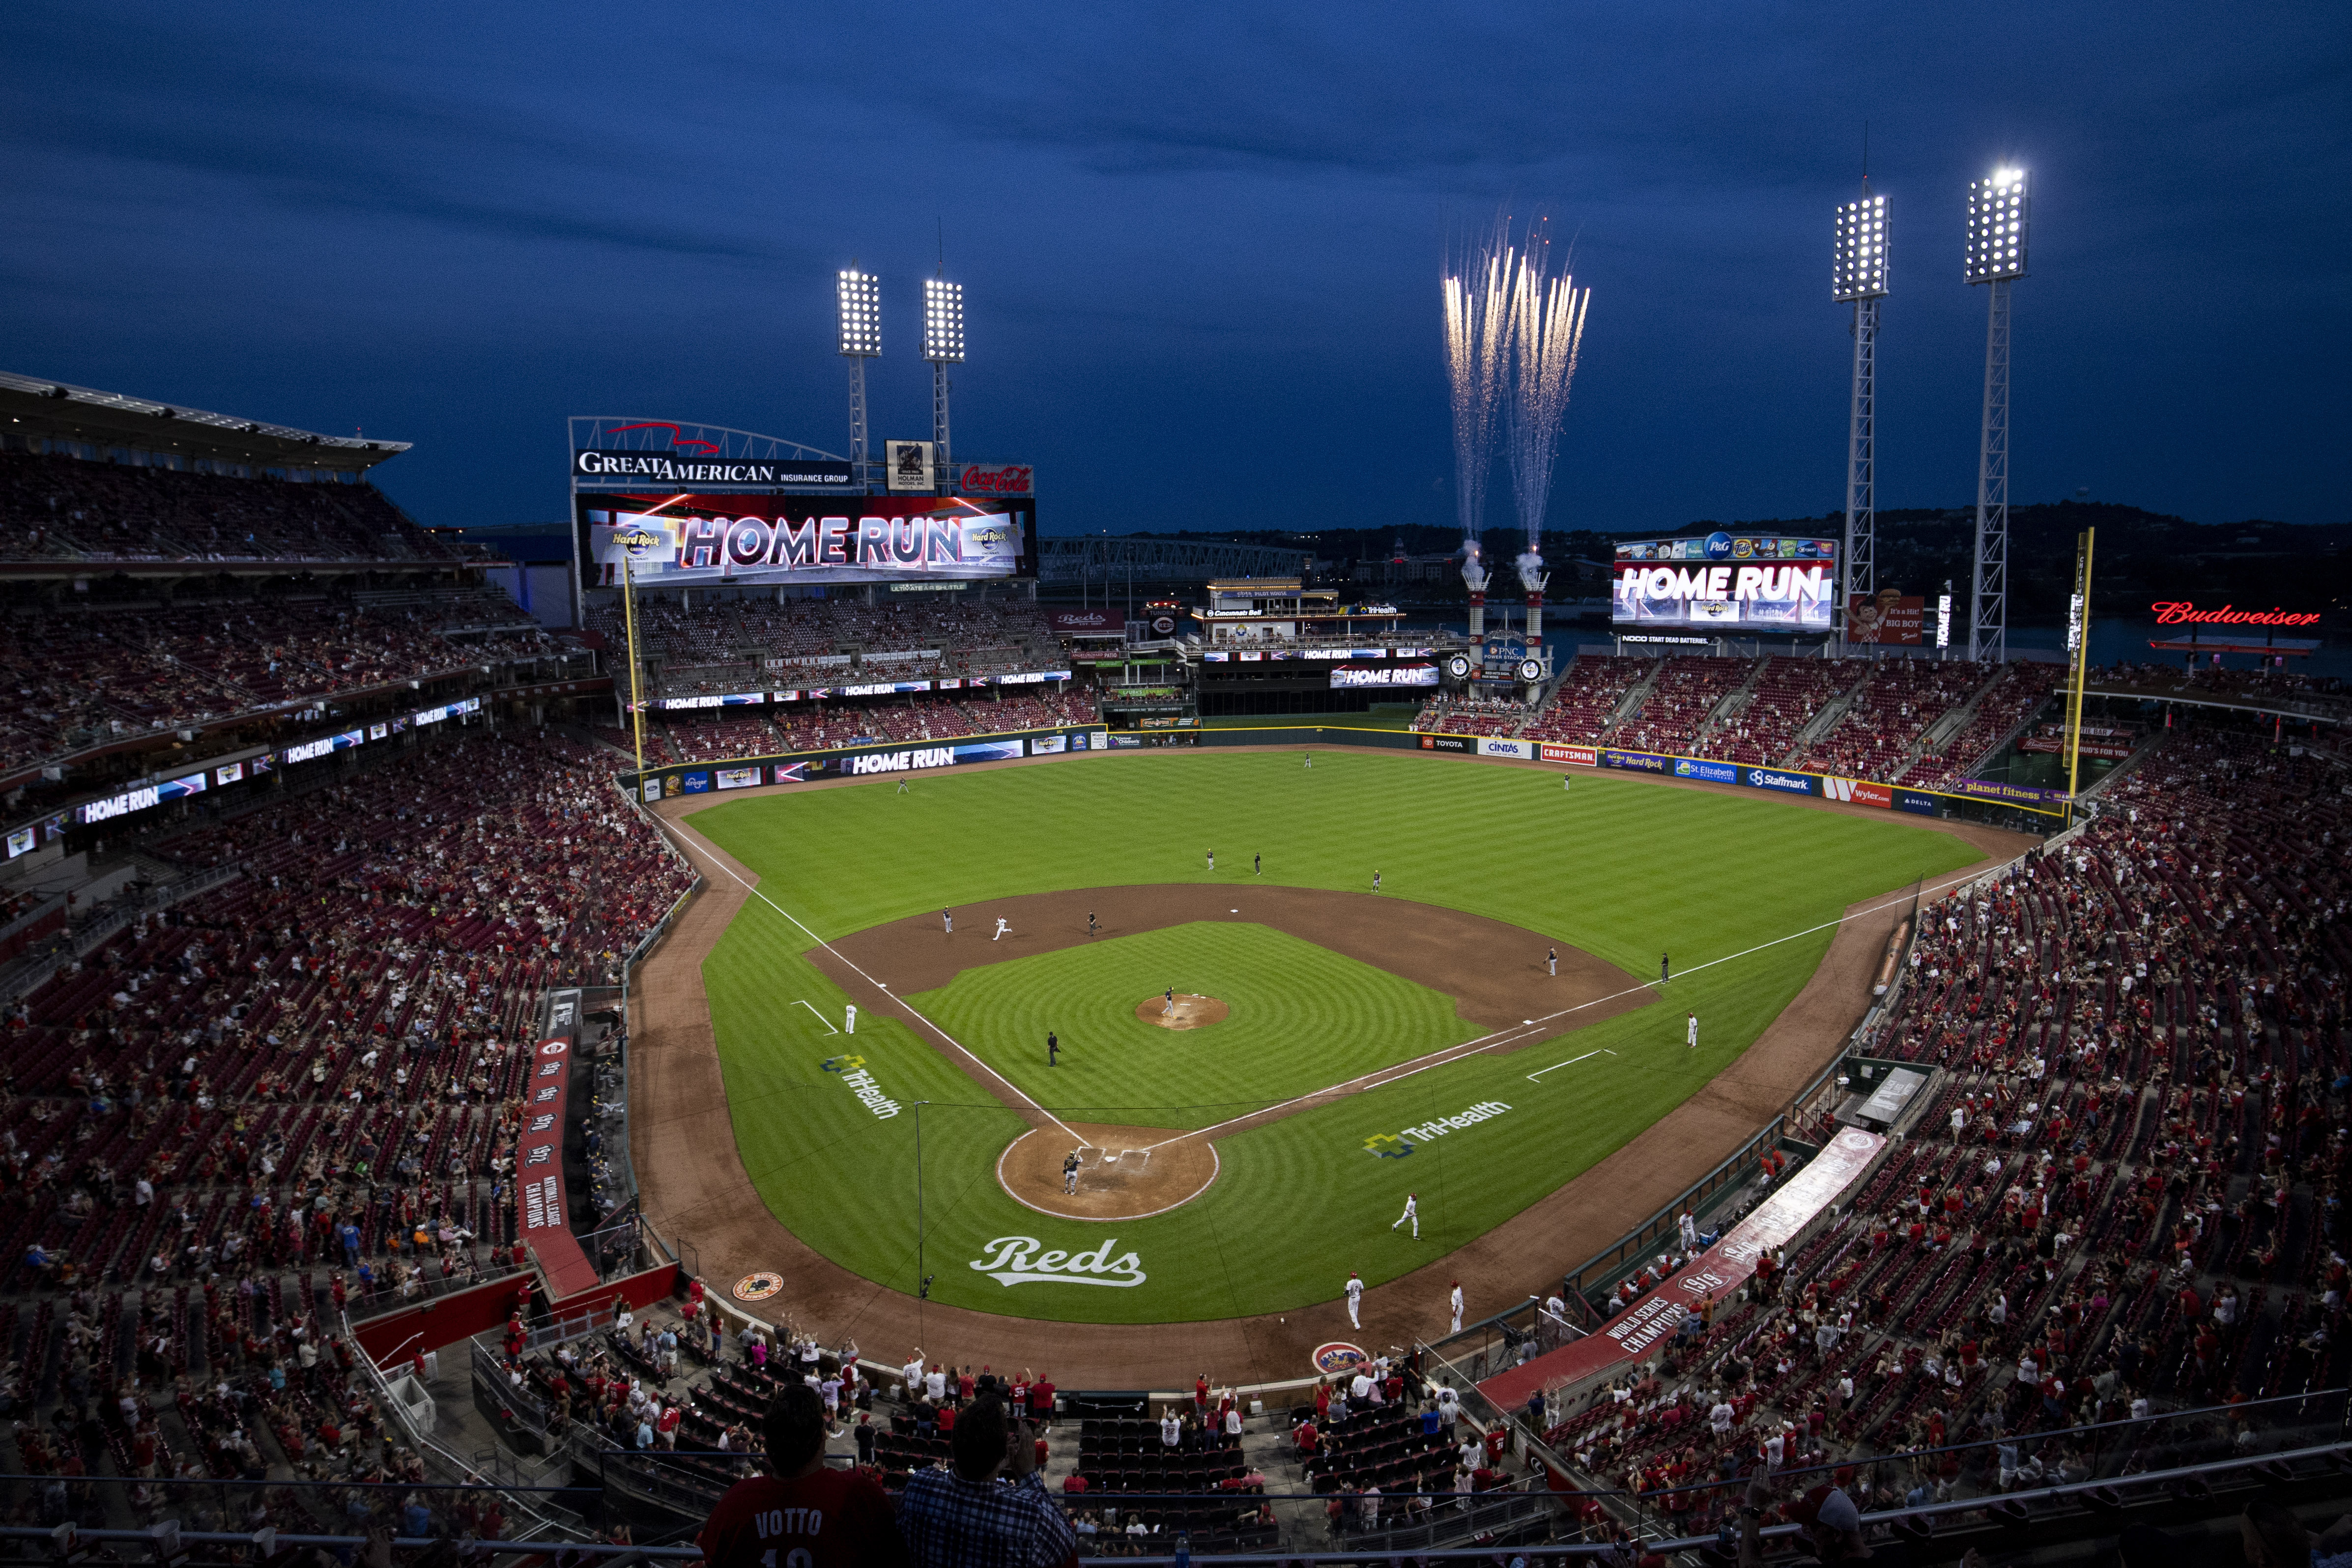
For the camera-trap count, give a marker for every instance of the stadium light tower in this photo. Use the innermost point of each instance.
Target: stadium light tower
(1996, 255)
(1858, 276)
(943, 346)
(860, 296)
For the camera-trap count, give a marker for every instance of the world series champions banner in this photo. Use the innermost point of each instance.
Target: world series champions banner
(542, 1219)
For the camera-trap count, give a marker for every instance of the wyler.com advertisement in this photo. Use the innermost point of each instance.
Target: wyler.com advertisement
(696, 541)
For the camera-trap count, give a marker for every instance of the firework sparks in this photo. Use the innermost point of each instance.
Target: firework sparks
(1545, 316)
(1478, 358)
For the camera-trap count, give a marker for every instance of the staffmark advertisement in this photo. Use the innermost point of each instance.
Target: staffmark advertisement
(1773, 779)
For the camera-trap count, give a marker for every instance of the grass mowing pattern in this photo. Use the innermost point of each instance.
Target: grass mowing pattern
(1303, 1019)
(1620, 868)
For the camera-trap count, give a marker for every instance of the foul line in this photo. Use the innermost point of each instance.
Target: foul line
(1403, 1071)
(820, 1017)
(1572, 1061)
(881, 986)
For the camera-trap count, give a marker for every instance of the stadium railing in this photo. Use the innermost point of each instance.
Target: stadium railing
(2176, 1471)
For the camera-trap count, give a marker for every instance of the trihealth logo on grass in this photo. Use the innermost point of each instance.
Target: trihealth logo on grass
(1016, 1260)
(1399, 1144)
(853, 1072)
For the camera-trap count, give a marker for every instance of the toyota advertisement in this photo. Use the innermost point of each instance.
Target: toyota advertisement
(1726, 583)
(670, 540)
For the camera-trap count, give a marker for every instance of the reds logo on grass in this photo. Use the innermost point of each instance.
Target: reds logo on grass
(1021, 1260)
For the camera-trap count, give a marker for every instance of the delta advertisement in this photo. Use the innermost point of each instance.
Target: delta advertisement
(692, 541)
(1887, 618)
(1722, 581)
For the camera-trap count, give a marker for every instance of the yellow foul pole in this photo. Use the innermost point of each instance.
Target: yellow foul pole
(636, 707)
(2078, 639)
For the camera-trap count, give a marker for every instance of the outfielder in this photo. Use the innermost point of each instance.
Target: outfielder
(1376, 881)
(1213, 860)
(1412, 1212)
(1355, 1300)
(1310, 761)
(1693, 1037)
(902, 786)
(1661, 969)
(1455, 1302)
(1565, 783)
(1001, 927)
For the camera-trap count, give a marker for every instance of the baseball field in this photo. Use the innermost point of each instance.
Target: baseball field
(1341, 1048)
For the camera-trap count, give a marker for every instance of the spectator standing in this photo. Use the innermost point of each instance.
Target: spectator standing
(963, 1517)
(800, 1511)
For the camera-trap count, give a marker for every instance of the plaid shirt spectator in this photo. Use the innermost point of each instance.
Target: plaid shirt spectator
(951, 1523)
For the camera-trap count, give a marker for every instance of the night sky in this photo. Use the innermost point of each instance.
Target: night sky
(1201, 244)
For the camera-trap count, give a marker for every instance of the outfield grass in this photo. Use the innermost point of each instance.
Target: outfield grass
(1303, 1017)
(1618, 867)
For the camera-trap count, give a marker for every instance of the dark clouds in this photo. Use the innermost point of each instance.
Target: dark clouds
(1200, 243)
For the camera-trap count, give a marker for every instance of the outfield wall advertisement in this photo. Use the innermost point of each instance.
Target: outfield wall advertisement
(690, 541)
(1770, 781)
(865, 761)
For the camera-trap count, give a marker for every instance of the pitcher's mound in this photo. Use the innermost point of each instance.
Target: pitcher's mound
(1120, 1175)
(1191, 1011)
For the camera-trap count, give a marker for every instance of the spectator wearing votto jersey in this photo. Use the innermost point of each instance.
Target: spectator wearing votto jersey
(800, 1511)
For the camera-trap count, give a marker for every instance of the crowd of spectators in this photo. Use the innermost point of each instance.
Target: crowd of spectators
(54, 507)
(89, 676)
(1581, 709)
(782, 644)
(1900, 701)
(696, 735)
(299, 1091)
(1687, 693)
(1785, 696)
(1470, 716)
(2004, 705)
(2122, 1195)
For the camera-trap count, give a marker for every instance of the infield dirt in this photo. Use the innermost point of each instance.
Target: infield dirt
(694, 1184)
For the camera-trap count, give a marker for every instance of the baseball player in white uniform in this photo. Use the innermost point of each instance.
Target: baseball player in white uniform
(1455, 1302)
(1355, 1302)
(1412, 1213)
(948, 917)
(1001, 927)
(1691, 1038)
(852, 1020)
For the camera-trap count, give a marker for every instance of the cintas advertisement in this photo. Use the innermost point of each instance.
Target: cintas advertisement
(671, 540)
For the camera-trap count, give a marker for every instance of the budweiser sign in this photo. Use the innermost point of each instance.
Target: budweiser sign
(2184, 612)
(997, 479)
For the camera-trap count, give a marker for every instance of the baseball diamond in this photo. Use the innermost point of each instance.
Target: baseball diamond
(1372, 1044)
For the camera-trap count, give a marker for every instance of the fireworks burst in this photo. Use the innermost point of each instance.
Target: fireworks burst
(1478, 319)
(1546, 315)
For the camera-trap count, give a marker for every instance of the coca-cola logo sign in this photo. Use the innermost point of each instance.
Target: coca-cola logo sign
(997, 479)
